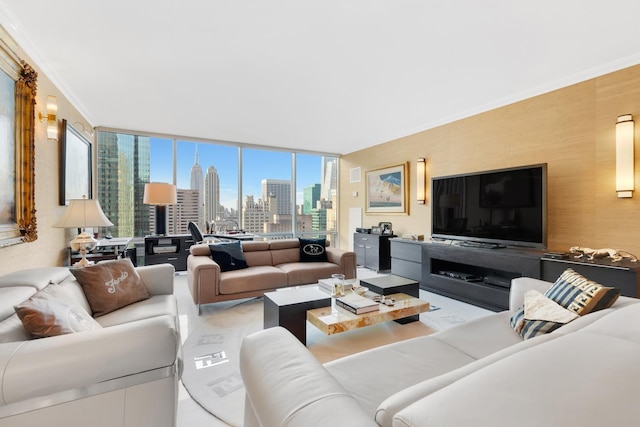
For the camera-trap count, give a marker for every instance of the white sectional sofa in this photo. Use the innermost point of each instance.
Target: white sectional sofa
(480, 373)
(124, 374)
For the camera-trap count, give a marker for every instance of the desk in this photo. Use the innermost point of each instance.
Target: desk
(106, 249)
(238, 236)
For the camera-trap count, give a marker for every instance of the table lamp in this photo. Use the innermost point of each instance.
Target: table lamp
(160, 194)
(83, 213)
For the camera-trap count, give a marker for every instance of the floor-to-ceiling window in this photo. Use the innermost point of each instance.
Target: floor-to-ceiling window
(267, 204)
(316, 193)
(222, 187)
(207, 181)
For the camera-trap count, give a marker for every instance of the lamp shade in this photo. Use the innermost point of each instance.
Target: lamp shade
(83, 213)
(160, 193)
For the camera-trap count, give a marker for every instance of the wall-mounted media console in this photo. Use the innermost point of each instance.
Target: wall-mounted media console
(476, 275)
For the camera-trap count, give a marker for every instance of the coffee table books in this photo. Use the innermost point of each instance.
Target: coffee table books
(357, 304)
(327, 285)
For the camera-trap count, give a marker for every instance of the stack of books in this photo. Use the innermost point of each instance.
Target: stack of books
(357, 304)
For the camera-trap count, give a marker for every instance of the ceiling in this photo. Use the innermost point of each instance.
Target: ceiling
(331, 76)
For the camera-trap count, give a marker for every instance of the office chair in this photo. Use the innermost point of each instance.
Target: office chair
(197, 236)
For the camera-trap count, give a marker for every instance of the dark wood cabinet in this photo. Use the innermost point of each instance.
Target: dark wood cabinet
(478, 276)
(372, 251)
(168, 249)
(482, 276)
(622, 274)
(406, 259)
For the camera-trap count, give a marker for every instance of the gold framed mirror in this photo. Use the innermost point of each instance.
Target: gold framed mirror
(18, 85)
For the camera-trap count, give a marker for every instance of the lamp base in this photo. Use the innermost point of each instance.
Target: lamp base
(81, 264)
(83, 243)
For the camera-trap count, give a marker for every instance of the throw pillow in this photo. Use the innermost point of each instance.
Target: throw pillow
(111, 285)
(581, 295)
(228, 256)
(313, 250)
(42, 315)
(539, 315)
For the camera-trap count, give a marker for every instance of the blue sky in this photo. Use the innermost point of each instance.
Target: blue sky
(257, 165)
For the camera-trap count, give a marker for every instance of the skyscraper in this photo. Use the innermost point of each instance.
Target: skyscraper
(197, 183)
(187, 209)
(212, 208)
(281, 190)
(329, 174)
(123, 169)
(311, 196)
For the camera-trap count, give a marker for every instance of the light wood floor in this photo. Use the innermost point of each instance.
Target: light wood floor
(190, 414)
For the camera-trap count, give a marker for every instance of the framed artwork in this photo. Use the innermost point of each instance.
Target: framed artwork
(18, 83)
(387, 190)
(75, 164)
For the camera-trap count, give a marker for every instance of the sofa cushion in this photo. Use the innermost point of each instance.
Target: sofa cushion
(581, 295)
(36, 278)
(228, 256)
(304, 273)
(539, 315)
(157, 305)
(11, 296)
(256, 253)
(558, 377)
(111, 285)
(250, 279)
(44, 315)
(313, 250)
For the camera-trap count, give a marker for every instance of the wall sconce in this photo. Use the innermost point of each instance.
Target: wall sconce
(624, 156)
(421, 179)
(51, 117)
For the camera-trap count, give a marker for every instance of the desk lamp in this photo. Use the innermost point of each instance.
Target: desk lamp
(160, 194)
(83, 213)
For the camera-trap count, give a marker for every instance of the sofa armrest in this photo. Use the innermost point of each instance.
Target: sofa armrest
(74, 361)
(158, 278)
(522, 285)
(287, 386)
(203, 277)
(345, 259)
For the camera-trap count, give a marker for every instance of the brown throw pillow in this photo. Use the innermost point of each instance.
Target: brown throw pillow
(43, 315)
(111, 285)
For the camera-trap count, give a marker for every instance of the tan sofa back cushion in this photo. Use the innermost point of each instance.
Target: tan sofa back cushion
(285, 251)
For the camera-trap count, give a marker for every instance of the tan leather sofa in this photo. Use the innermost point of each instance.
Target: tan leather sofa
(124, 374)
(272, 264)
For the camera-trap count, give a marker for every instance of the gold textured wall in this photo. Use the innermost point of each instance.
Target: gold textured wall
(571, 129)
(49, 248)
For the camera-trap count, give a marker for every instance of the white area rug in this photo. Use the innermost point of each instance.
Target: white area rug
(211, 373)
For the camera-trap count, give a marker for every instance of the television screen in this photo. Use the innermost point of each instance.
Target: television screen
(502, 207)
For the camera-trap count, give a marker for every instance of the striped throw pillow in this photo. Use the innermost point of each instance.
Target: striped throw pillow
(572, 291)
(581, 295)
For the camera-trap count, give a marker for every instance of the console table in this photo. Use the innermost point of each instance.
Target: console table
(478, 276)
(106, 249)
(372, 250)
(168, 249)
(623, 274)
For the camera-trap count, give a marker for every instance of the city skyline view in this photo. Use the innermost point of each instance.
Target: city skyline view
(208, 183)
(257, 165)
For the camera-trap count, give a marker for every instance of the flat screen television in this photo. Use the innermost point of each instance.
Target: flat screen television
(505, 207)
